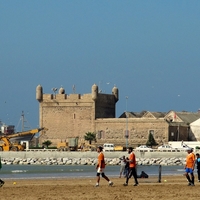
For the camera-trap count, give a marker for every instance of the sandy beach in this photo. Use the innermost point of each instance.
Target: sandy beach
(171, 187)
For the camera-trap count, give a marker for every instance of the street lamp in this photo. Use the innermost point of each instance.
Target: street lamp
(126, 134)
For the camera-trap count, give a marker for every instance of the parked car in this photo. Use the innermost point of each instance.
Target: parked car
(143, 147)
(165, 146)
(108, 147)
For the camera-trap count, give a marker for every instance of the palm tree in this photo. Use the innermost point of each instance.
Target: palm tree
(47, 143)
(90, 137)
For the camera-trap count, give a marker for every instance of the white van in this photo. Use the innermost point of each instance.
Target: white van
(108, 147)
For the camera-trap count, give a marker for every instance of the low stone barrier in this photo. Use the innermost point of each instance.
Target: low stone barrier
(89, 161)
(76, 154)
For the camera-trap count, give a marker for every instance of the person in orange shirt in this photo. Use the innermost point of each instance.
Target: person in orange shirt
(132, 167)
(189, 167)
(101, 167)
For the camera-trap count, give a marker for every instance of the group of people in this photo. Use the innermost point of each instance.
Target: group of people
(127, 163)
(128, 166)
(191, 161)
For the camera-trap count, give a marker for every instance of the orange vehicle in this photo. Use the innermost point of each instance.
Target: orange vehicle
(7, 145)
(71, 145)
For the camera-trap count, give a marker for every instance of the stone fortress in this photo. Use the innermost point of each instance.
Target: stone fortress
(73, 115)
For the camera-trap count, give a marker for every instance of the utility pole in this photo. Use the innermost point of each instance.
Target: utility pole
(126, 134)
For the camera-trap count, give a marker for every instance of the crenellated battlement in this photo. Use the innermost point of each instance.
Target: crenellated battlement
(64, 96)
(94, 95)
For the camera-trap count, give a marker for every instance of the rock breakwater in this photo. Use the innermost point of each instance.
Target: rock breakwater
(89, 161)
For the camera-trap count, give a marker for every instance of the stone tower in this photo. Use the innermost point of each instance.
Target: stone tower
(73, 115)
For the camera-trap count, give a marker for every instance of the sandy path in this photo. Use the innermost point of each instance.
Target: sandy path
(174, 188)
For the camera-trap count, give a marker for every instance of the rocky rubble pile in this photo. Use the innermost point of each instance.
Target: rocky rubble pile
(89, 161)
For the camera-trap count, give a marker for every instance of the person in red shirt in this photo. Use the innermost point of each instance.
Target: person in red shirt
(132, 167)
(189, 167)
(101, 167)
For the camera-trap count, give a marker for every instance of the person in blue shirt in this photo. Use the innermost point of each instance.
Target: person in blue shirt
(198, 165)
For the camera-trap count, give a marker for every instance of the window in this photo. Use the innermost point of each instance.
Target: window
(100, 134)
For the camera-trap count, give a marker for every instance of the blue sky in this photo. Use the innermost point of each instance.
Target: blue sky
(149, 49)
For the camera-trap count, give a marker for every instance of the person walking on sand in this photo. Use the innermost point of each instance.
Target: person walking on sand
(126, 168)
(132, 167)
(122, 166)
(189, 167)
(198, 165)
(1, 182)
(101, 167)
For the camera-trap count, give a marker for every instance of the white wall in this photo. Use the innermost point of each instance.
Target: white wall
(195, 129)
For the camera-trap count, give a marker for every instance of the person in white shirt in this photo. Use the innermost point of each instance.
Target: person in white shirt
(122, 167)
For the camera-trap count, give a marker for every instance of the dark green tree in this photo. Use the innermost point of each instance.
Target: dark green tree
(47, 143)
(151, 141)
(90, 137)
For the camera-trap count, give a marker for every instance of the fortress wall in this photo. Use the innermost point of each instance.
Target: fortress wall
(66, 118)
(113, 130)
(64, 122)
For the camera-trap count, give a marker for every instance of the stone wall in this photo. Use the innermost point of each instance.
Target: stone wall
(70, 117)
(88, 154)
(113, 131)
